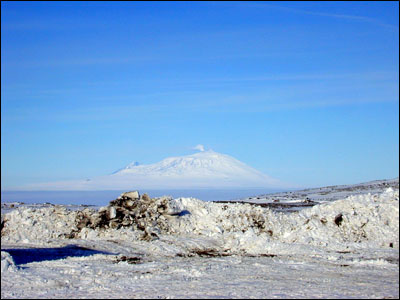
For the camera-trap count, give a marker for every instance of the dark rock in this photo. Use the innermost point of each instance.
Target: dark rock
(339, 219)
(130, 195)
(129, 260)
(143, 214)
(145, 197)
(3, 223)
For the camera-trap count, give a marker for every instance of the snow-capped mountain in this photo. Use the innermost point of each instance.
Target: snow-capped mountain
(205, 169)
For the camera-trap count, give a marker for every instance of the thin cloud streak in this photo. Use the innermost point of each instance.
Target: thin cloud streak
(374, 75)
(316, 13)
(241, 104)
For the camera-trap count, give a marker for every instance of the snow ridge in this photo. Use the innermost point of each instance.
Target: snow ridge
(366, 221)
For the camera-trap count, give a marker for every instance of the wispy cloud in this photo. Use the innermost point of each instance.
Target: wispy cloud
(315, 13)
(170, 86)
(375, 75)
(217, 104)
(294, 91)
(199, 147)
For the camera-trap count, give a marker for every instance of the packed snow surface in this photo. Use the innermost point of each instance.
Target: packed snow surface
(205, 169)
(188, 248)
(297, 199)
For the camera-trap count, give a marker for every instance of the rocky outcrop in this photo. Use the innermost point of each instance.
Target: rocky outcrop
(3, 222)
(128, 210)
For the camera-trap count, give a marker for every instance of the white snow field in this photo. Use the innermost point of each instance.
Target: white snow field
(205, 169)
(188, 248)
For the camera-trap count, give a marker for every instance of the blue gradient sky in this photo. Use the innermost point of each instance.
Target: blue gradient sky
(306, 92)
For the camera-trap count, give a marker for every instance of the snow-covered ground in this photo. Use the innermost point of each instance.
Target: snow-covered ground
(346, 247)
(328, 193)
(295, 200)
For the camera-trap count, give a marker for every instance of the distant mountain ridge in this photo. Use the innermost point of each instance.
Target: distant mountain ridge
(205, 169)
(199, 165)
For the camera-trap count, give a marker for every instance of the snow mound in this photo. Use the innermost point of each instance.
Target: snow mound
(186, 226)
(7, 263)
(38, 225)
(365, 221)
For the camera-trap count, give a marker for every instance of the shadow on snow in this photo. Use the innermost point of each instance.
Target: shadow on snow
(24, 256)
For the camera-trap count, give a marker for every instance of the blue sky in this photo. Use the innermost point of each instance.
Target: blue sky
(306, 92)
